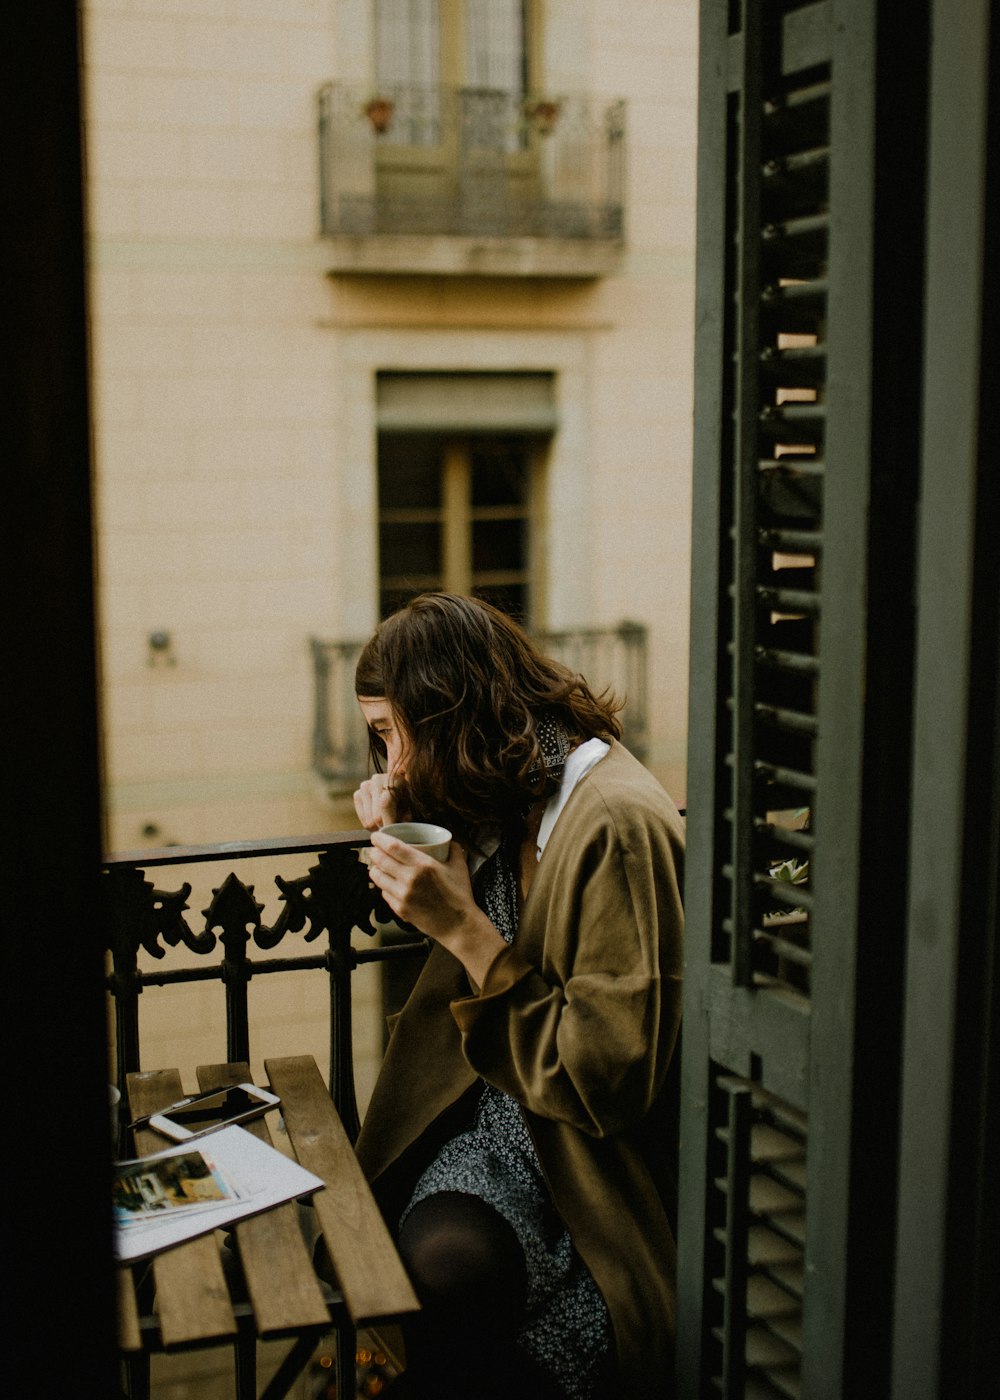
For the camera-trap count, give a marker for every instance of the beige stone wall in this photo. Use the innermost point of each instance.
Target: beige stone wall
(214, 417)
(234, 391)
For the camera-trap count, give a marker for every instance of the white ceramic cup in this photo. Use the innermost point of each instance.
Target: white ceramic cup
(422, 836)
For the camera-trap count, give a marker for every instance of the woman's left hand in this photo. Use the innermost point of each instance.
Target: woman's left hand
(436, 897)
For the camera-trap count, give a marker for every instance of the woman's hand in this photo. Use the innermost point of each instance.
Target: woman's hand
(375, 802)
(437, 898)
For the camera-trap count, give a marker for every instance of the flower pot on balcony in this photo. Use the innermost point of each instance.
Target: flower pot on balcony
(379, 111)
(543, 115)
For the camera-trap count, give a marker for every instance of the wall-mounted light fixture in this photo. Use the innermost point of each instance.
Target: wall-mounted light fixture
(161, 649)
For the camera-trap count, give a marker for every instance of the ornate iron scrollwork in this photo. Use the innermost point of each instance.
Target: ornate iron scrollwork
(235, 912)
(335, 895)
(140, 915)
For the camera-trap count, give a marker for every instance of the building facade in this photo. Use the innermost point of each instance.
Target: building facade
(386, 294)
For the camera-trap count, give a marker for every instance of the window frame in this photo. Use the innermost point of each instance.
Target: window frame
(456, 515)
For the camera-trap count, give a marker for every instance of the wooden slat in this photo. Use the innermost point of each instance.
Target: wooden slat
(764, 1349)
(769, 1197)
(771, 1145)
(790, 1275)
(765, 1300)
(129, 1336)
(371, 1276)
(282, 1284)
(192, 1299)
(765, 1248)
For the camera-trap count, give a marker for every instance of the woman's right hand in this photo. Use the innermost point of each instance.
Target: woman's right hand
(375, 802)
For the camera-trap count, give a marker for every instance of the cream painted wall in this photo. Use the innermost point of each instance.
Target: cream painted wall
(234, 391)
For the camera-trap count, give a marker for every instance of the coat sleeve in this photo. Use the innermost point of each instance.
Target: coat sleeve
(584, 1032)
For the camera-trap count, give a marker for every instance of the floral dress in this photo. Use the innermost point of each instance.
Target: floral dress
(567, 1329)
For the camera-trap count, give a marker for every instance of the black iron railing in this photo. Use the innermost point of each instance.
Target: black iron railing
(231, 943)
(609, 657)
(474, 162)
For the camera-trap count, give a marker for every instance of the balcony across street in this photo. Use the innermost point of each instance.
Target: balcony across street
(482, 180)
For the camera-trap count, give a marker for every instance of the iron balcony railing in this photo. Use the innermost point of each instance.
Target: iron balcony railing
(155, 937)
(613, 658)
(470, 162)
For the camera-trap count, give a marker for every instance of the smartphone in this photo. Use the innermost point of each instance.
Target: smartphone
(215, 1108)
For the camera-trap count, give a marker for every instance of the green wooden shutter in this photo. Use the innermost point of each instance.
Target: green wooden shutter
(808, 371)
(946, 1341)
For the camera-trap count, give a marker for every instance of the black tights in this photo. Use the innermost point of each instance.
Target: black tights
(468, 1271)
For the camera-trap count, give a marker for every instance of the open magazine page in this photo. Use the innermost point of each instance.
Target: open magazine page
(191, 1189)
(149, 1188)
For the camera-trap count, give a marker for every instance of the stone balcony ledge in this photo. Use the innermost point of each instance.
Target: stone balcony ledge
(445, 255)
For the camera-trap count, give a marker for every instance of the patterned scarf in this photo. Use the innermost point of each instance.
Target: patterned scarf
(496, 884)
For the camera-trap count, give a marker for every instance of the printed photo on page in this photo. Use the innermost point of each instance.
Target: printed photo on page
(154, 1186)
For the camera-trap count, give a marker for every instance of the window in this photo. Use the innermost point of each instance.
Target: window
(460, 513)
(407, 42)
(495, 48)
(460, 485)
(432, 54)
(466, 43)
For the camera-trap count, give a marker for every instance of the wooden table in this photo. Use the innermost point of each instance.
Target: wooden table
(185, 1298)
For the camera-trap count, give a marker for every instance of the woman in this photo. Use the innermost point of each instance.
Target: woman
(522, 1130)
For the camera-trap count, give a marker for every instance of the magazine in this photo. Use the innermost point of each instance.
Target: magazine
(149, 1187)
(185, 1191)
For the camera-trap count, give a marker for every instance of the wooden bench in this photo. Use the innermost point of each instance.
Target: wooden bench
(188, 1298)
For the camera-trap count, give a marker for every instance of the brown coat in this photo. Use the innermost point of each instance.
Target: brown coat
(578, 1022)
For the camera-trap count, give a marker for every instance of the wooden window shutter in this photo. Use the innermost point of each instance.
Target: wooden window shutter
(808, 363)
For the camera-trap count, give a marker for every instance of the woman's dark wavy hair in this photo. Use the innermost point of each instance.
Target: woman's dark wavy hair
(467, 685)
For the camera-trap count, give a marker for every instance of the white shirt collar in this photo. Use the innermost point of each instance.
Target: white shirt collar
(579, 762)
